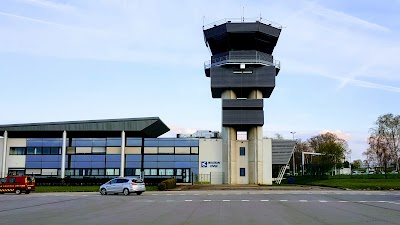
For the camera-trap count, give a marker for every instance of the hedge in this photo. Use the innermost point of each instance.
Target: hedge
(167, 184)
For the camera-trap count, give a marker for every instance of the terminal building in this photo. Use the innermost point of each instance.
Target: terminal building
(242, 72)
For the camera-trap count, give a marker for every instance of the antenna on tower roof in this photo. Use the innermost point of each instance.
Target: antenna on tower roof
(243, 14)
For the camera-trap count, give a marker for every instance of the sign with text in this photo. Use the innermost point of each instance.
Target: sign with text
(211, 164)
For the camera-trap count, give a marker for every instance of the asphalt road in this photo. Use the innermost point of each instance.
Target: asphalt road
(204, 207)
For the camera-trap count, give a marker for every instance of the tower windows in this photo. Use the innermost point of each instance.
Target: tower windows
(242, 151)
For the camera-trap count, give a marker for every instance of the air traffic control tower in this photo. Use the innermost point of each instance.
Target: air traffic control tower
(242, 71)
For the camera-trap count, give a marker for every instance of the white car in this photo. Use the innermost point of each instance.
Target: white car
(124, 185)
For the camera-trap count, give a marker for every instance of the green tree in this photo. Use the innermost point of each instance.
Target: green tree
(356, 164)
(332, 148)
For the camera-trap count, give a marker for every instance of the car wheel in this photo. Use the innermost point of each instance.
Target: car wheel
(103, 191)
(139, 193)
(27, 192)
(17, 191)
(126, 191)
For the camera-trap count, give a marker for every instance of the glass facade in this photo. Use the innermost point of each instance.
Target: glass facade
(100, 157)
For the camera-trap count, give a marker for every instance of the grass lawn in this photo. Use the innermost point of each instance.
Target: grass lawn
(363, 184)
(77, 188)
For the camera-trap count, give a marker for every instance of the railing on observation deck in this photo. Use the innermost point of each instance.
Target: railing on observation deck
(242, 20)
(231, 58)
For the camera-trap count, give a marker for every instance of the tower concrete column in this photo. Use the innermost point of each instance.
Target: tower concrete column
(63, 153)
(228, 142)
(122, 170)
(3, 163)
(255, 136)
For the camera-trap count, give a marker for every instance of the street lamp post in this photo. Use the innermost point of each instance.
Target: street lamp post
(294, 165)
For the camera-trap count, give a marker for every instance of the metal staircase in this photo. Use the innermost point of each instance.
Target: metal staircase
(281, 173)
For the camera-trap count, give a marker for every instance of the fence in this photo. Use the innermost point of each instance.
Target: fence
(209, 178)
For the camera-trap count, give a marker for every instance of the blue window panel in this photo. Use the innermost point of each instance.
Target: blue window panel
(194, 143)
(98, 164)
(195, 170)
(82, 142)
(113, 164)
(182, 142)
(35, 165)
(166, 142)
(52, 142)
(34, 142)
(194, 158)
(182, 164)
(113, 157)
(150, 158)
(151, 142)
(33, 158)
(48, 165)
(182, 158)
(133, 142)
(83, 164)
(166, 158)
(195, 165)
(150, 164)
(134, 158)
(166, 164)
(114, 142)
(99, 142)
(98, 158)
(133, 164)
(51, 158)
(80, 158)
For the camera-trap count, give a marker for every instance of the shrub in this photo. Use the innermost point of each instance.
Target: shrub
(167, 184)
(162, 186)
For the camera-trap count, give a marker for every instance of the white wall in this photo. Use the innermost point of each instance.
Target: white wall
(16, 161)
(16, 142)
(267, 162)
(242, 162)
(211, 153)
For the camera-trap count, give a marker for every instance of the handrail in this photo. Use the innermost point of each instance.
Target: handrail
(256, 58)
(242, 20)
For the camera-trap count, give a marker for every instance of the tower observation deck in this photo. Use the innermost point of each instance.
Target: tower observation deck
(242, 71)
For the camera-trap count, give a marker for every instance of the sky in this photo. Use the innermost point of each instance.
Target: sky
(96, 59)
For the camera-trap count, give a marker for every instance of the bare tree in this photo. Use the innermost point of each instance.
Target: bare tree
(385, 138)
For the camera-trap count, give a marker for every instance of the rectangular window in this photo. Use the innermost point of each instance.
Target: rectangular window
(161, 172)
(154, 172)
(137, 172)
(242, 151)
(17, 151)
(55, 150)
(146, 171)
(169, 172)
(46, 150)
(242, 172)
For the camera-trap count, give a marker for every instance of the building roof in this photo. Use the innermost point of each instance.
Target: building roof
(133, 127)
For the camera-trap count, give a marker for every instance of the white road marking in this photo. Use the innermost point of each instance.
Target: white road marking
(188, 200)
(154, 194)
(264, 200)
(182, 194)
(207, 200)
(283, 200)
(226, 200)
(245, 200)
(322, 201)
(303, 200)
